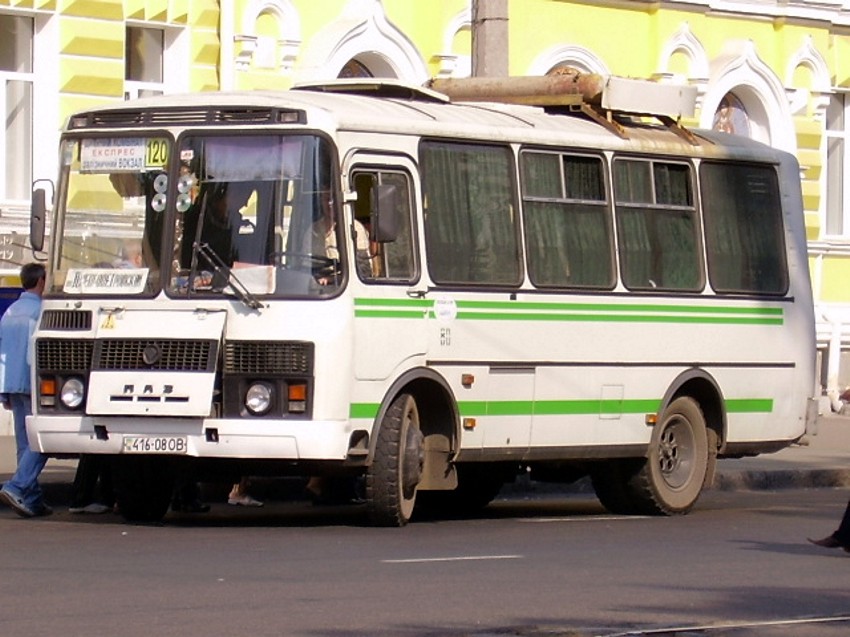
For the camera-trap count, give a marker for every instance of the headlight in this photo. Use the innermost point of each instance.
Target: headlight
(73, 392)
(258, 398)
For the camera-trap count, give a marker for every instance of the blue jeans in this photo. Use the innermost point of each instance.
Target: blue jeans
(30, 463)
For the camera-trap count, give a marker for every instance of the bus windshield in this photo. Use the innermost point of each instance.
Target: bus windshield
(112, 198)
(213, 215)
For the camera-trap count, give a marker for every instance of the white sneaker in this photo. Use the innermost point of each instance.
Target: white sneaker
(244, 501)
(94, 507)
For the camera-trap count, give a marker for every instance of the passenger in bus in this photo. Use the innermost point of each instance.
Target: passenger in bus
(131, 255)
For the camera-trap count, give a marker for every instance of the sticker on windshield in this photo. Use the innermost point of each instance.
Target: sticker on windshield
(98, 281)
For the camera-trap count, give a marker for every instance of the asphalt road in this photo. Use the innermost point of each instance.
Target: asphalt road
(737, 566)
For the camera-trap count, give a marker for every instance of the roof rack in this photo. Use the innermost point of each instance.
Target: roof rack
(599, 97)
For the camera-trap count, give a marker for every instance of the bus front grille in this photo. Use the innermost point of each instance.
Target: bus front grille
(63, 355)
(66, 320)
(155, 354)
(262, 357)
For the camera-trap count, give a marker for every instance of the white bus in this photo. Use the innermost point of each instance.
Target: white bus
(371, 280)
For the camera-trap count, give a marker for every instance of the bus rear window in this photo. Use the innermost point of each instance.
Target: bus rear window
(743, 229)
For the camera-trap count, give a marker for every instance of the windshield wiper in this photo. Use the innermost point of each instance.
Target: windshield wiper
(221, 269)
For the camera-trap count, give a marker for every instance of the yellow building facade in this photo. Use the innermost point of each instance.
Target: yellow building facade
(778, 72)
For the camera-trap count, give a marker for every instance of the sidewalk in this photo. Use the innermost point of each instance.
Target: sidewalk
(823, 462)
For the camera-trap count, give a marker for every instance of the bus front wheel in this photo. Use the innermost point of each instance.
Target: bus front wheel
(396, 469)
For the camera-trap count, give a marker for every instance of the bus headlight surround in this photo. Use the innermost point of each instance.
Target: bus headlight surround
(258, 398)
(72, 393)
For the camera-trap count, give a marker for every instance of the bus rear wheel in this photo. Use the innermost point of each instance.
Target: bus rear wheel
(396, 469)
(670, 479)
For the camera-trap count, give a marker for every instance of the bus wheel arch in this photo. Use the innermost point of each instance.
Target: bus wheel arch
(412, 444)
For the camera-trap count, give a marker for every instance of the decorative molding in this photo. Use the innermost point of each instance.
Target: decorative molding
(684, 41)
(249, 45)
(451, 64)
(362, 31)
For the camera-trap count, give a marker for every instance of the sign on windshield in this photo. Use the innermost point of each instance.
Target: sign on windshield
(134, 154)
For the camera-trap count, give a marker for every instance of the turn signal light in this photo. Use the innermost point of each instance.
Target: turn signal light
(297, 395)
(47, 392)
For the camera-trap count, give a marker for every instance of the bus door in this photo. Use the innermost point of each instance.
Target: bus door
(390, 308)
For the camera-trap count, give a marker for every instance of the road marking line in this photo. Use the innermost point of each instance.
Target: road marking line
(592, 518)
(726, 626)
(461, 558)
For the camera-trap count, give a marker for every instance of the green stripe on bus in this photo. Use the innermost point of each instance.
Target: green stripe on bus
(363, 410)
(573, 312)
(617, 307)
(556, 407)
(424, 303)
(749, 405)
(402, 314)
(616, 318)
(479, 408)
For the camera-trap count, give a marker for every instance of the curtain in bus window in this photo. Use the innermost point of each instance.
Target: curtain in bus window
(679, 266)
(658, 243)
(568, 241)
(470, 226)
(744, 228)
(252, 158)
(568, 245)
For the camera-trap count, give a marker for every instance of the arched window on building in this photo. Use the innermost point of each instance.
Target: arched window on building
(731, 116)
(566, 68)
(355, 68)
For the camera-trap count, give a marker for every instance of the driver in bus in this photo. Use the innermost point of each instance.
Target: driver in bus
(324, 242)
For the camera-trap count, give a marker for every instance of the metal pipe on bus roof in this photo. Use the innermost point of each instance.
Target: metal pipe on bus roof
(549, 90)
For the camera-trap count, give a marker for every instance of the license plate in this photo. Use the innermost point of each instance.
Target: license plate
(154, 444)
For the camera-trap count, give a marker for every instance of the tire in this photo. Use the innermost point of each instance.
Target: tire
(670, 479)
(143, 487)
(396, 468)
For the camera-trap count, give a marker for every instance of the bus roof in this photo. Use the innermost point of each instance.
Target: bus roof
(388, 106)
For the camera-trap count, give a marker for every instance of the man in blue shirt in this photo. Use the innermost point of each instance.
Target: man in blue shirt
(22, 492)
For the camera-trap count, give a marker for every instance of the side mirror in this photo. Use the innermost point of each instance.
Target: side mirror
(385, 220)
(38, 216)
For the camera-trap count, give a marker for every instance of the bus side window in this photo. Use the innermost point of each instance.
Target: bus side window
(385, 257)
